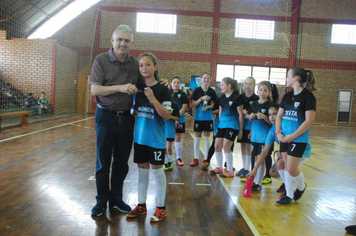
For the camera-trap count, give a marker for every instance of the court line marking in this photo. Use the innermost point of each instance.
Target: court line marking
(203, 184)
(237, 204)
(175, 183)
(42, 130)
(23, 159)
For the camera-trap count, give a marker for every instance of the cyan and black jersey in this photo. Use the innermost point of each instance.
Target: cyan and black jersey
(271, 137)
(247, 103)
(229, 117)
(199, 114)
(260, 127)
(150, 126)
(180, 98)
(295, 107)
(171, 124)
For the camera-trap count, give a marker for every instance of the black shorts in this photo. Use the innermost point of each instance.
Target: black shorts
(143, 154)
(170, 139)
(229, 134)
(257, 149)
(245, 138)
(293, 149)
(180, 128)
(203, 125)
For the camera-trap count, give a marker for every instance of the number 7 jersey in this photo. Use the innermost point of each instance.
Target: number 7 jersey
(295, 107)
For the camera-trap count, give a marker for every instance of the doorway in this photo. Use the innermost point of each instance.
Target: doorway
(344, 106)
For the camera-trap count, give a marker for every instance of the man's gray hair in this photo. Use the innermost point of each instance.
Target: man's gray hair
(124, 28)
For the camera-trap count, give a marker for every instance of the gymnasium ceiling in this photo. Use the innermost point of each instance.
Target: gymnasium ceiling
(21, 17)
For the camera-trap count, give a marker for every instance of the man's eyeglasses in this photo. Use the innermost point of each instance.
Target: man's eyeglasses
(126, 73)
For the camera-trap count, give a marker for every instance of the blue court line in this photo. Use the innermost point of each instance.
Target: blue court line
(2, 168)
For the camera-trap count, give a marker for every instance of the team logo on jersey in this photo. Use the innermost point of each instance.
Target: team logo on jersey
(251, 102)
(230, 103)
(296, 104)
(179, 95)
(198, 81)
(263, 110)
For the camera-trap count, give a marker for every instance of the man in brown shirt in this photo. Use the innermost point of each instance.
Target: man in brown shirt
(113, 78)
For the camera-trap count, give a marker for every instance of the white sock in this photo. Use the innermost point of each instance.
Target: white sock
(143, 178)
(161, 183)
(248, 162)
(206, 147)
(219, 159)
(169, 157)
(196, 147)
(178, 147)
(229, 161)
(289, 184)
(300, 181)
(166, 159)
(243, 157)
(260, 174)
(281, 174)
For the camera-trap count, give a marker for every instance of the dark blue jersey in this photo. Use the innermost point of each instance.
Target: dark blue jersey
(171, 124)
(260, 127)
(295, 107)
(199, 114)
(247, 103)
(180, 98)
(229, 117)
(150, 126)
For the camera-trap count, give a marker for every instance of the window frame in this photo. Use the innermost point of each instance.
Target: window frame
(158, 20)
(251, 29)
(347, 37)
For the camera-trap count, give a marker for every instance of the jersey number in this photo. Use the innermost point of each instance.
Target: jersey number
(293, 146)
(158, 155)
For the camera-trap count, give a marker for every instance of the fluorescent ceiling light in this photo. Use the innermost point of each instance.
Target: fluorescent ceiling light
(59, 20)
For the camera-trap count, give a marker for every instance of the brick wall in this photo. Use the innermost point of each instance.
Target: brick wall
(194, 35)
(26, 64)
(66, 76)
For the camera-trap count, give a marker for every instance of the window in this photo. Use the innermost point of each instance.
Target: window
(343, 34)
(273, 74)
(55, 23)
(156, 23)
(278, 76)
(254, 29)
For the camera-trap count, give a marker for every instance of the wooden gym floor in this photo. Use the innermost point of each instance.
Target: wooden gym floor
(47, 187)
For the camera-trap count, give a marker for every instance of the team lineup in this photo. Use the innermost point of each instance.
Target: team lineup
(255, 121)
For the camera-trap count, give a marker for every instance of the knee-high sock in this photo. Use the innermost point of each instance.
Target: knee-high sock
(196, 147)
(178, 147)
(166, 159)
(248, 162)
(206, 147)
(259, 175)
(243, 157)
(219, 159)
(161, 183)
(289, 184)
(211, 151)
(229, 161)
(300, 181)
(268, 162)
(143, 178)
(281, 174)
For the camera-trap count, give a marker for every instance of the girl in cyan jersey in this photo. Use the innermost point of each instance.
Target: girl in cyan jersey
(153, 107)
(295, 116)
